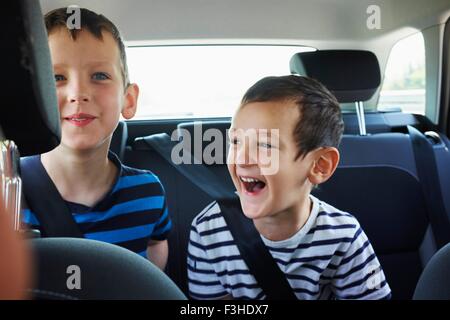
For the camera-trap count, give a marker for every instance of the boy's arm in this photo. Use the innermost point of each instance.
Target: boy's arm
(14, 259)
(158, 247)
(158, 252)
(204, 284)
(359, 274)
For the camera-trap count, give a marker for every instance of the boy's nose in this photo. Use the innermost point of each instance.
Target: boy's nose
(245, 157)
(78, 93)
(79, 98)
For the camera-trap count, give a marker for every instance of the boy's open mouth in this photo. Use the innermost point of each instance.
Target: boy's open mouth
(252, 185)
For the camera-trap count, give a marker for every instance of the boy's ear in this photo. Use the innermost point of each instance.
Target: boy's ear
(130, 101)
(325, 163)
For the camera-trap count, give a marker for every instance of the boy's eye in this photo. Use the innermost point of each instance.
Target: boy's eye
(100, 76)
(265, 145)
(234, 140)
(59, 77)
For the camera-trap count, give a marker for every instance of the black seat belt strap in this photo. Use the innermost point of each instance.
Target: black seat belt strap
(253, 250)
(260, 262)
(45, 201)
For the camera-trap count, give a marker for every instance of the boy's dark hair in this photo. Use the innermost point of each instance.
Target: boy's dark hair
(320, 123)
(95, 24)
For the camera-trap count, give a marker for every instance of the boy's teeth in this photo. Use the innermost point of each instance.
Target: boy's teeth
(252, 185)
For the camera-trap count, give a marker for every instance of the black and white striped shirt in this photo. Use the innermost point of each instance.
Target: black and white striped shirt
(329, 257)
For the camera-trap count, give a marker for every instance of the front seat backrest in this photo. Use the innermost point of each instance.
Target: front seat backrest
(71, 268)
(29, 114)
(434, 283)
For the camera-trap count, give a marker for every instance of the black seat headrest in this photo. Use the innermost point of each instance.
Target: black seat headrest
(29, 113)
(352, 75)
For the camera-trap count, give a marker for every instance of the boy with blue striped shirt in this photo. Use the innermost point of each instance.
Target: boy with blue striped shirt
(109, 201)
(323, 252)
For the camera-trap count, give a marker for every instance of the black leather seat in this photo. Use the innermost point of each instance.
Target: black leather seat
(119, 140)
(71, 268)
(377, 182)
(434, 283)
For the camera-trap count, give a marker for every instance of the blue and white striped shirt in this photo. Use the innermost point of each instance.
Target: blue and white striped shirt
(330, 257)
(133, 212)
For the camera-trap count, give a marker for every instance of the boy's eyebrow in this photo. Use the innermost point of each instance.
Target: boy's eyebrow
(274, 133)
(100, 63)
(89, 64)
(270, 133)
(59, 65)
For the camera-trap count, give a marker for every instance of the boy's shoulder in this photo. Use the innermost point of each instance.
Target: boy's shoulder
(324, 217)
(331, 222)
(131, 173)
(139, 176)
(140, 180)
(210, 216)
(328, 212)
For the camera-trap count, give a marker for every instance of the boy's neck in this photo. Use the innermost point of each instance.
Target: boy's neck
(80, 177)
(285, 224)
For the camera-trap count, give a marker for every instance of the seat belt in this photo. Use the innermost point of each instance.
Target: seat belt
(260, 262)
(255, 253)
(43, 198)
(429, 180)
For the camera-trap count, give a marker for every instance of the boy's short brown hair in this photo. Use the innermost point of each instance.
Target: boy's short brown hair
(95, 24)
(320, 123)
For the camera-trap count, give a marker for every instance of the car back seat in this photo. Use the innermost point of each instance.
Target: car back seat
(376, 181)
(184, 201)
(119, 140)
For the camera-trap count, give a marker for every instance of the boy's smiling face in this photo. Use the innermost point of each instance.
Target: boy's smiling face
(284, 190)
(90, 89)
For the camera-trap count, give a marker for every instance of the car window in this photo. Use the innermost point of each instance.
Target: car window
(404, 78)
(201, 81)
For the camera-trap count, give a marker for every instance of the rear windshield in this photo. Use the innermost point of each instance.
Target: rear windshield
(201, 81)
